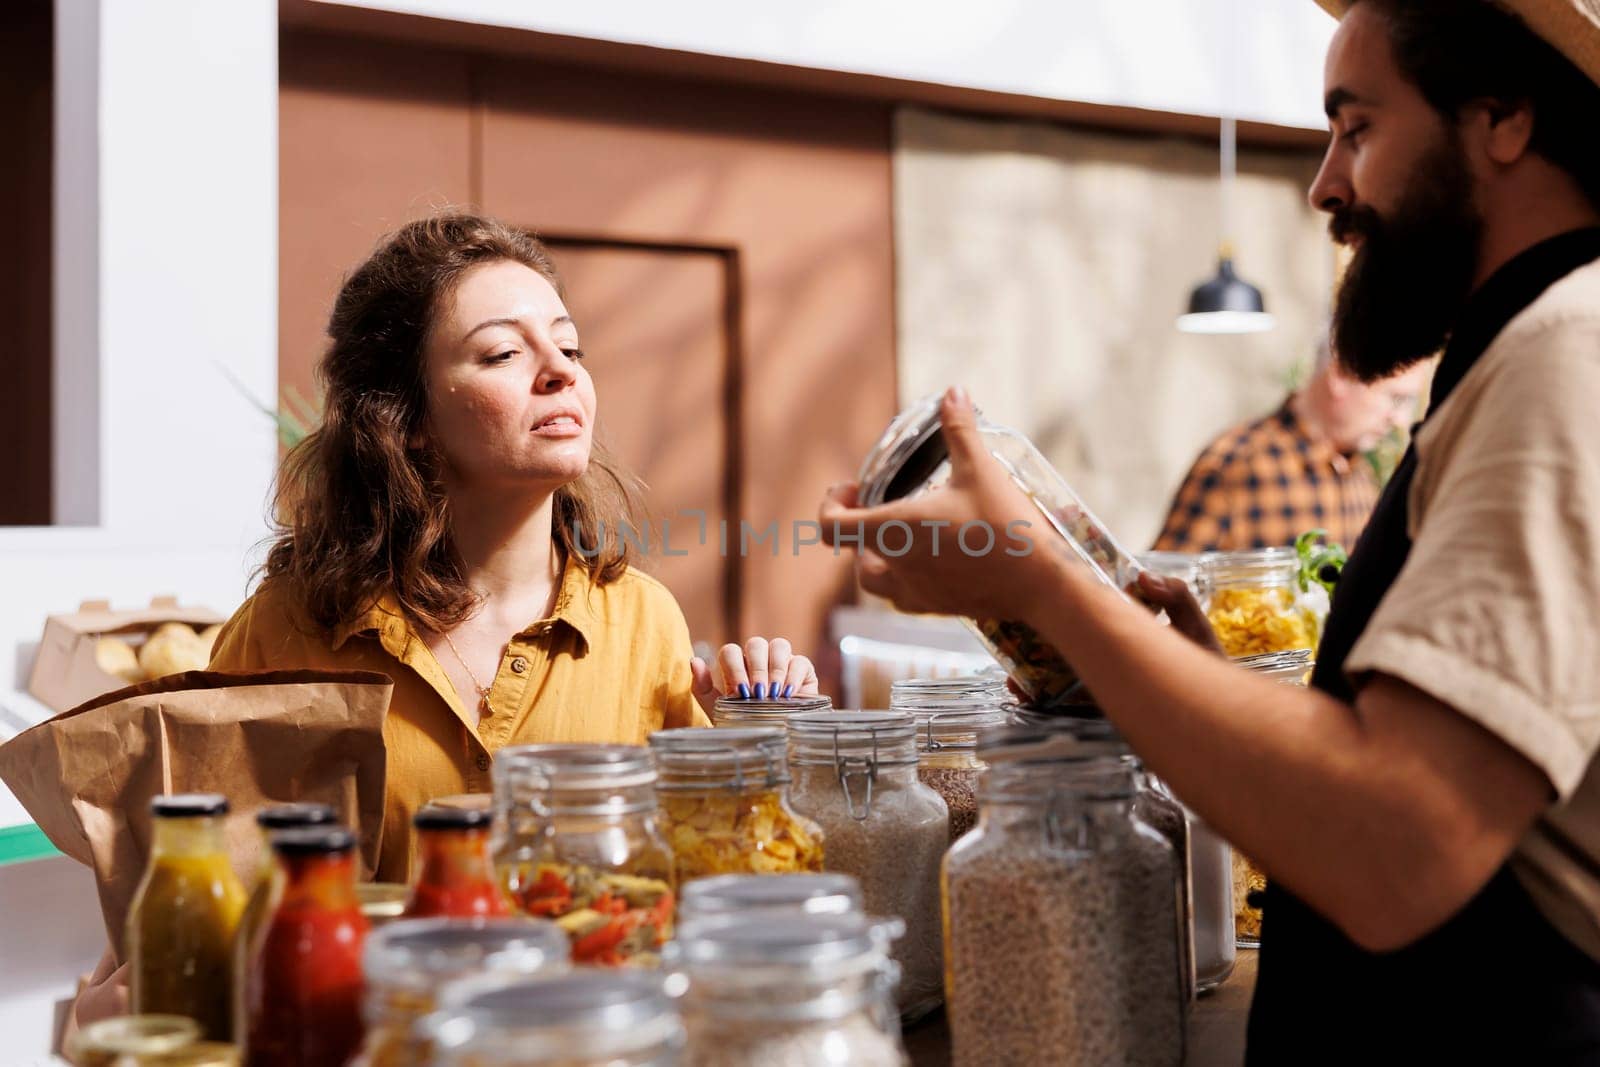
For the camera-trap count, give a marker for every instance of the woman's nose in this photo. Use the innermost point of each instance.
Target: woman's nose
(556, 370)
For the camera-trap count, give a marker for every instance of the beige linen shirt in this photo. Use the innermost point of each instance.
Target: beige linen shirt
(1497, 609)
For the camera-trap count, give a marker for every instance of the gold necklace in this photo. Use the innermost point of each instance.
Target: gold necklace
(483, 690)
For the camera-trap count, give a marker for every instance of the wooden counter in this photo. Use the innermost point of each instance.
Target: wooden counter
(1216, 1027)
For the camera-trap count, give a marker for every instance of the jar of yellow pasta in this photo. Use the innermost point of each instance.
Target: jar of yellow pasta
(725, 803)
(1254, 603)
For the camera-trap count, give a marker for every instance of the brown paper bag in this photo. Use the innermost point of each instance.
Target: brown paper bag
(87, 775)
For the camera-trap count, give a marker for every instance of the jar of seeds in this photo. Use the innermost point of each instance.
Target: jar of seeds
(950, 713)
(731, 711)
(1063, 914)
(855, 775)
(787, 991)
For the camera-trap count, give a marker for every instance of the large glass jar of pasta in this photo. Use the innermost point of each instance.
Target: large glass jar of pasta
(950, 713)
(725, 801)
(1291, 668)
(1254, 603)
(408, 962)
(911, 457)
(584, 1018)
(1062, 914)
(731, 711)
(794, 989)
(184, 915)
(855, 775)
(582, 844)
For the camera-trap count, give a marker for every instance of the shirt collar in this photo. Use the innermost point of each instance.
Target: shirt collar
(1506, 294)
(574, 606)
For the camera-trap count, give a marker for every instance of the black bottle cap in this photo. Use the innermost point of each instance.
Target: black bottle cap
(313, 841)
(288, 816)
(188, 805)
(441, 817)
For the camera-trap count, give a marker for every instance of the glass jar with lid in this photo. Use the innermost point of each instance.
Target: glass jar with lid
(732, 711)
(1062, 913)
(584, 1018)
(950, 713)
(408, 962)
(769, 894)
(1254, 602)
(725, 803)
(911, 457)
(855, 775)
(582, 844)
(130, 1039)
(795, 989)
(1291, 668)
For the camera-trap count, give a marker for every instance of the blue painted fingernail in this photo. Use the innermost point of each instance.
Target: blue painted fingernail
(788, 691)
(761, 690)
(744, 691)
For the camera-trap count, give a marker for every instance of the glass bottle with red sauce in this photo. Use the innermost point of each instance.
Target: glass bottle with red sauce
(305, 985)
(455, 872)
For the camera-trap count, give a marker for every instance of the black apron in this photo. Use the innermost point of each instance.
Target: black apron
(1496, 984)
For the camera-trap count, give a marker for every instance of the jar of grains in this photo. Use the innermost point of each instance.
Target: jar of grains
(950, 713)
(1062, 914)
(582, 845)
(731, 711)
(1292, 668)
(725, 803)
(407, 962)
(855, 774)
(911, 457)
(584, 1018)
(1253, 601)
(787, 991)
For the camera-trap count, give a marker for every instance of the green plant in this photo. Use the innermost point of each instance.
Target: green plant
(1321, 561)
(295, 416)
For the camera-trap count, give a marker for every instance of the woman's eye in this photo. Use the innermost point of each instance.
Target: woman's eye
(573, 353)
(500, 357)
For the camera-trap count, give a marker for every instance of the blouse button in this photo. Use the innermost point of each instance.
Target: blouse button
(520, 665)
(483, 763)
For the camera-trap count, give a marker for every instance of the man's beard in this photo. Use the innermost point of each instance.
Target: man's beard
(1412, 272)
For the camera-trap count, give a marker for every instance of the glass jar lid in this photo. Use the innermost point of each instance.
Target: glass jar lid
(949, 712)
(577, 1016)
(575, 779)
(910, 452)
(1249, 568)
(417, 955)
(747, 894)
(812, 947)
(1290, 667)
(733, 711)
(132, 1035)
(382, 902)
(739, 758)
(1043, 759)
(1184, 565)
(842, 739)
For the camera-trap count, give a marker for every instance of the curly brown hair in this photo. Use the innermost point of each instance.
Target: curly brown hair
(360, 506)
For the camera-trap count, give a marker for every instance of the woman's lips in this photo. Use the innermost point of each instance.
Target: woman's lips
(559, 426)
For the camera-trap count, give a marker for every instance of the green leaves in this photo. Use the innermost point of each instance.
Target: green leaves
(1320, 560)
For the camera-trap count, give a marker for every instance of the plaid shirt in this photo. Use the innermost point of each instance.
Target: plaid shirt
(1265, 483)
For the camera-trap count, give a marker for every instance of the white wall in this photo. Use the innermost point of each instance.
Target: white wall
(1165, 55)
(166, 249)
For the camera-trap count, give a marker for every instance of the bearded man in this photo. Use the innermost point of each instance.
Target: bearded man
(1429, 811)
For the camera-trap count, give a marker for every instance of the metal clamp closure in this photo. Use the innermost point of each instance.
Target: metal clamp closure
(863, 769)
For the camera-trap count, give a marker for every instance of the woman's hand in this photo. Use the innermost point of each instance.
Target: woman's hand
(1174, 596)
(762, 670)
(969, 547)
(102, 994)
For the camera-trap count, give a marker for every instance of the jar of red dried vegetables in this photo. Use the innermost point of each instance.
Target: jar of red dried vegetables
(304, 991)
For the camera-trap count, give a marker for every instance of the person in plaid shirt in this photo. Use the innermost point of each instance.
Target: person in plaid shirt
(1263, 483)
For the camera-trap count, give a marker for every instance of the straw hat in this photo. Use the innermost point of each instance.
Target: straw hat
(1572, 27)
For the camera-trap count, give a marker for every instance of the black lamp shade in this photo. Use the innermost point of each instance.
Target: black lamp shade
(1225, 303)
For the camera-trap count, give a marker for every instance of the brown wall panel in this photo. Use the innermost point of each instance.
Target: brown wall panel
(26, 109)
(800, 187)
(370, 136)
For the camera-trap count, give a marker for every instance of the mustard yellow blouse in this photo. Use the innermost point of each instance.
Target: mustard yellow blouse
(611, 664)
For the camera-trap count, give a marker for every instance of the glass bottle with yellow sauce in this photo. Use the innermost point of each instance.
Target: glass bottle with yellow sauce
(179, 937)
(268, 885)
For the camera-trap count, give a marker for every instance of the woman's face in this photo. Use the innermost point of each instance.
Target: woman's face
(509, 403)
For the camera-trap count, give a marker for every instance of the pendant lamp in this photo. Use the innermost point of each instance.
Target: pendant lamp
(1226, 303)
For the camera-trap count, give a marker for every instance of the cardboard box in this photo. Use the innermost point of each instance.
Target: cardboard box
(65, 672)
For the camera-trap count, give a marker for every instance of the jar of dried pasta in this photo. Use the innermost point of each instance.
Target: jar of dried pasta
(725, 803)
(1291, 668)
(767, 991)
(855, 773)
(1254, 602)
(731, 711)
(583, 846)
